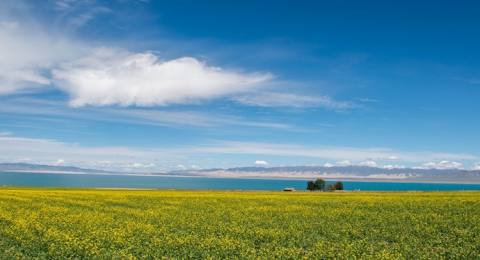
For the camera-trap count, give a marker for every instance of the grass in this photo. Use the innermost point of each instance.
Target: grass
(63, 223)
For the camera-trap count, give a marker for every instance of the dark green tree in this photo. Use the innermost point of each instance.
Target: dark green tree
(338, 185)
(310, 185)
(320, 184)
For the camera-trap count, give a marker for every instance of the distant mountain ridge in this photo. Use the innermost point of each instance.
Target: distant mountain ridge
(27, 167)
(345, 172)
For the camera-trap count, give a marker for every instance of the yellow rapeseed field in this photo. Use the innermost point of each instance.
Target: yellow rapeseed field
(71, 223)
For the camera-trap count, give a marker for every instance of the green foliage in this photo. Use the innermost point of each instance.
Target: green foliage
(338, 185)
(311, 185)
(318, 184)
(120, 224)
(335, 186)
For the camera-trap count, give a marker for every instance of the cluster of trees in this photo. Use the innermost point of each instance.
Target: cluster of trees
(320, 184)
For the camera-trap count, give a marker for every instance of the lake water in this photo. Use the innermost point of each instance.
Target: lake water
(162, 182)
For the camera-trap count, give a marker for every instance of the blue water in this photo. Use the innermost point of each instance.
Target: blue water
(161, 182)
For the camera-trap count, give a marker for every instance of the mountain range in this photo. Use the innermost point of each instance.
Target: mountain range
(343, 172)
(40, 168)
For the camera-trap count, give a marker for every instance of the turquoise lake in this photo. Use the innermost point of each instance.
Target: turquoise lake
(188, 183)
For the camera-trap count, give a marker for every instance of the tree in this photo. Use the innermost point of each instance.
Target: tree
(338, 185)
(310, 185)
(320, 184)
(331, 187)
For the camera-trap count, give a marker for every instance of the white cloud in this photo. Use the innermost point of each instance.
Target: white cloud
(117, 77)
(141, 165)
(193, 167)
(339, 163)
(476, 166)
(274, 99)
(343, 163)
(27, 53)
(395, 166)
(60, 162)
(368, 163)
(261, 163)
(443, 165)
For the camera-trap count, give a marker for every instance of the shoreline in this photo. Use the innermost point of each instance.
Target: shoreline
(338, 192)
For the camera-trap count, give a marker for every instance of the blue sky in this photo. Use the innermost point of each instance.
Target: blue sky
(165, 85)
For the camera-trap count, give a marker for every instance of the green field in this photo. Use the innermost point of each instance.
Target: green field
(54, 223)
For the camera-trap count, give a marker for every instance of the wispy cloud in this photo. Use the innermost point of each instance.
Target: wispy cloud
(77, 13)
(28, 50)
(135, 116)
(329, 153)
(473, 81)
(468, 80)
(336, 153)
(192, 118)
(276, 99)
(64, 4)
